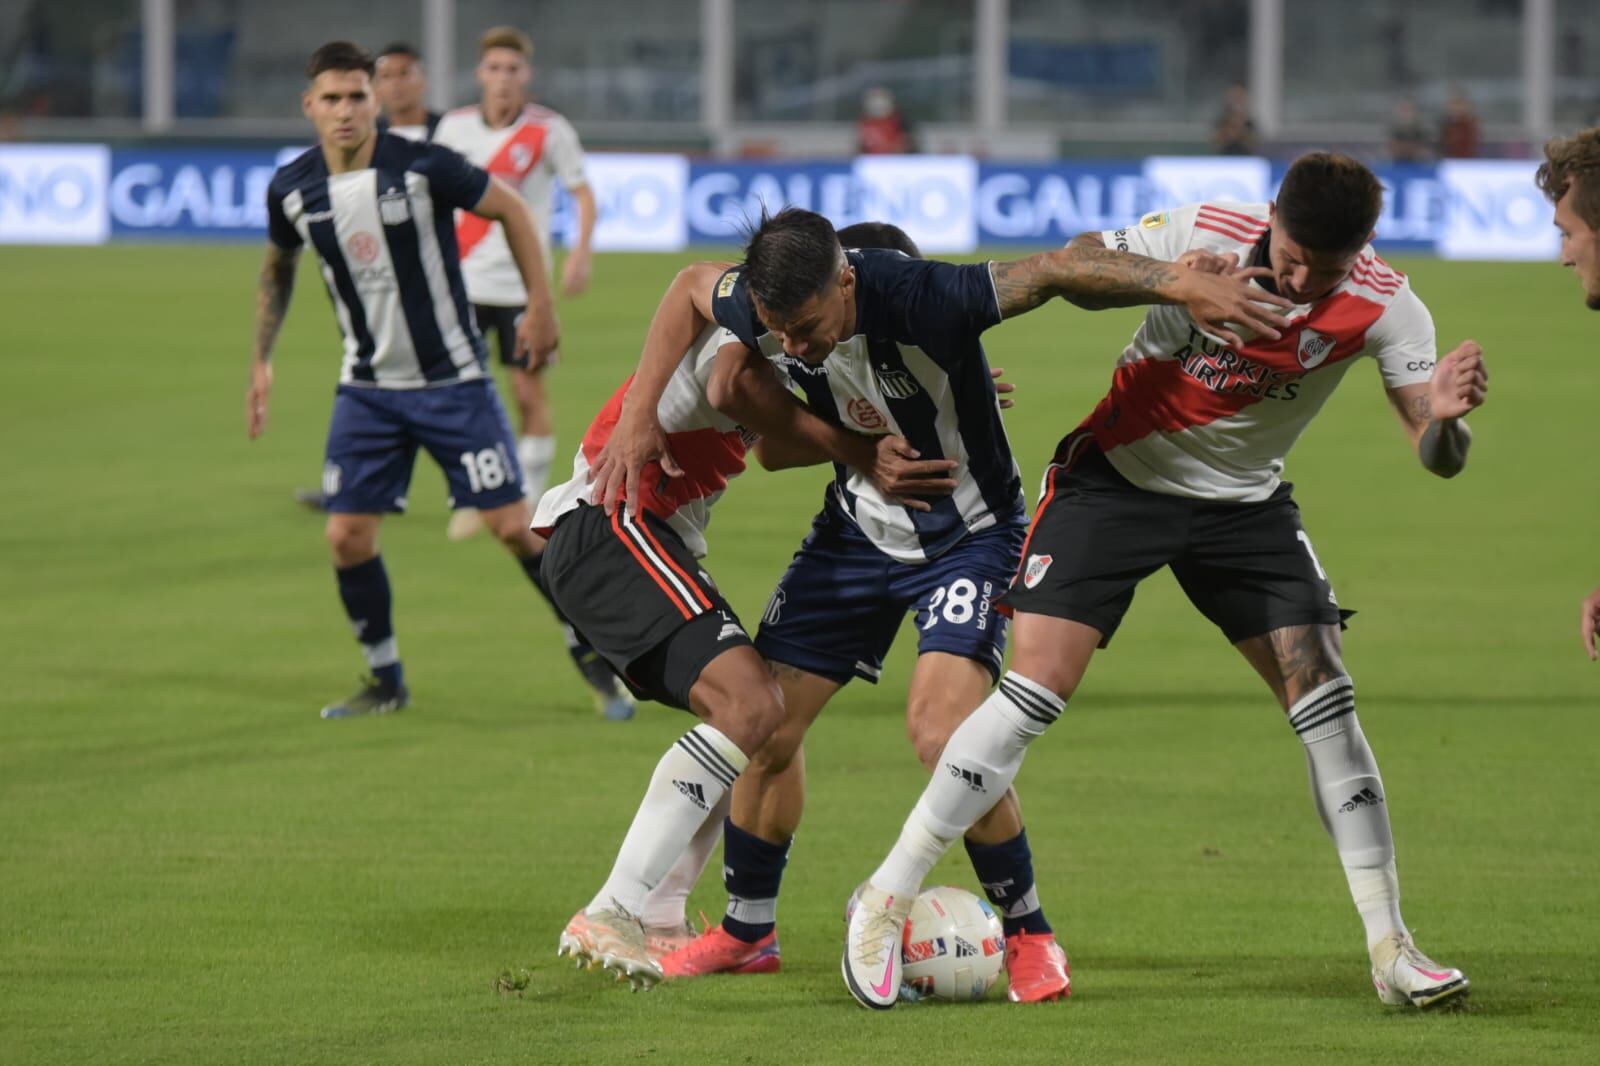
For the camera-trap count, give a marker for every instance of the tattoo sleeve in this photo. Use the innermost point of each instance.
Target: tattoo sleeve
(1085, 273)
(1307, 656)
(273, 289)
(1442, 448)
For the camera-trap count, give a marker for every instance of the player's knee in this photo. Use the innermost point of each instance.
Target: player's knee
(746, 706)
(350, 543)
(929, 723)
(778, 753)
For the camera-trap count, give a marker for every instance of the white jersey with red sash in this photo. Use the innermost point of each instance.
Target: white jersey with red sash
(1189, 416)
(537, 148)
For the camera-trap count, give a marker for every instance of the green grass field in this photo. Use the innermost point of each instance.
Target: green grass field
(194, 868)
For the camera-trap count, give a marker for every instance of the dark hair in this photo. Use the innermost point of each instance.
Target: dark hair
(1329, 202)
(339, 55)
(879, 235)
(1565, 160)
(790, 258)
(400, 48)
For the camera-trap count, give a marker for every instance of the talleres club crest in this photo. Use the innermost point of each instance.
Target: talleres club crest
(1314, 348)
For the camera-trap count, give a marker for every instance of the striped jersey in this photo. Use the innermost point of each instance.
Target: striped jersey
(707, 444)
(386, 240)
(424, 132)
(915, 367)
(1188, 416)
(529, 155)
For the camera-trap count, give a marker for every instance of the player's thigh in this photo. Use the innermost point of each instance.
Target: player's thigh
(1094, 538)
(1251, 569)
(945, 689)
(832, 614)
(369, 453)
(1051, 651)
(528, 386)
(804, 695)
(465, 429)
(953, 598)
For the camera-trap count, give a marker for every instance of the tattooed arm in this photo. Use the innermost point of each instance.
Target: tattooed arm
(273, 289)
(1092, 276)
(1432, 412)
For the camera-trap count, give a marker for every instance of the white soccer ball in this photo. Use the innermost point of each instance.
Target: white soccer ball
(954, 946)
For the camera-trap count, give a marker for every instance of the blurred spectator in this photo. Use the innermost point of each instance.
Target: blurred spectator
(881, 130)
(1409, 140)
(1458, 136)
(1235, 131)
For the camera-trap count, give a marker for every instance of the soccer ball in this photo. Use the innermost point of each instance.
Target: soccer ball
(954, 947)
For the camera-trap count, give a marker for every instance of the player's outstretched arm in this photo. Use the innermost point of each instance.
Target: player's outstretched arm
(538, 333)
(638, 440)
(1432, 413)
(1094, 277)
(575, 271)
(745, 387)
(273, 289)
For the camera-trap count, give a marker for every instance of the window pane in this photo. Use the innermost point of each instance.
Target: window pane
(814, 61)
(1353, 61)
(1577, 64)
(71, 58)
(596, 60)
(1132, 60)
(242, 59)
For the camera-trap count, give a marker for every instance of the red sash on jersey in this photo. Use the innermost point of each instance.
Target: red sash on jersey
(519, 155)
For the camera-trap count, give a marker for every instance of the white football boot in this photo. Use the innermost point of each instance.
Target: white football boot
(871, 962)
(614, 940)
(1402, 975)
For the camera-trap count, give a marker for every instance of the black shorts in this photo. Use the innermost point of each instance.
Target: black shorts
(635, 592)
(1248, 567)
(500, 323)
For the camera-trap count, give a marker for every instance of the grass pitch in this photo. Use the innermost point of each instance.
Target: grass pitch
(194, 868)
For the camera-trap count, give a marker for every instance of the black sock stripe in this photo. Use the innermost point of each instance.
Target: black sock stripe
(1345, 691)
(1030, 702)
(1337, 712)
(715, 764)
(716, 756)
(1041, 719)
(1049, 699)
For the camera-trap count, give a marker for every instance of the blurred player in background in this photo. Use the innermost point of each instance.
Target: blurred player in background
(529, 148)
(402, 89)
(1179, 466)
(1570, 177)
(377, 209)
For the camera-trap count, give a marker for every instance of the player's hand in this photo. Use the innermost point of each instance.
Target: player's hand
(575, 273)
(1004, 388)
(636, 441)
(538, 334)
(255, 404)
(1218, 301)
(1590, 626)
(901, 475)
(1460, 382)
(1209, 262)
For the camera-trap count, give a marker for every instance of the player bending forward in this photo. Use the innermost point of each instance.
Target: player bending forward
(889, 344)
(1179, 466)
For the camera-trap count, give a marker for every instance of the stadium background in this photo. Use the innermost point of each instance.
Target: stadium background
(193, 868)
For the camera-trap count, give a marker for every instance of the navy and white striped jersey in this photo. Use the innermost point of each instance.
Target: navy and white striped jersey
(915, 367)
(387, 241)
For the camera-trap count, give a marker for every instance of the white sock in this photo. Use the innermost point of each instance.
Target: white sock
(534, 455)
(667, 905)
(689, 782)
(1349, 797)
(976, 767)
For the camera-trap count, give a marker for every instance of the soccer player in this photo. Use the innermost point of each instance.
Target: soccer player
(1570, 177)
(530, 148)
(377, 209)
(402, 88)
(877, 342)
(1179, 466)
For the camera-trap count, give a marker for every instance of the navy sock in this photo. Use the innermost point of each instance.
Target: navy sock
(595, 670)
(1006, 872)
(364, 588)
(752, 870)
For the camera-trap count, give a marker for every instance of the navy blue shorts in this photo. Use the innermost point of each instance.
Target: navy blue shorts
(840, 604)
(375, 433)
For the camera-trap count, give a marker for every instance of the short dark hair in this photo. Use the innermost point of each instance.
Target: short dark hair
(1566, 160)
(1329, 202)
(339, 55)
(790, 258)
(879, 235)
(400, 48)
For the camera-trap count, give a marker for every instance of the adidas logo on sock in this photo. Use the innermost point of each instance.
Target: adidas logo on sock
(694, 791)
(1365, 798)
(972, 778)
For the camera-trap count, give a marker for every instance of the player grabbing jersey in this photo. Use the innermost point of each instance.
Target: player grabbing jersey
(884, 345)
(1179, 466)
(1570, 177)
(377, 209)
(530, 148)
